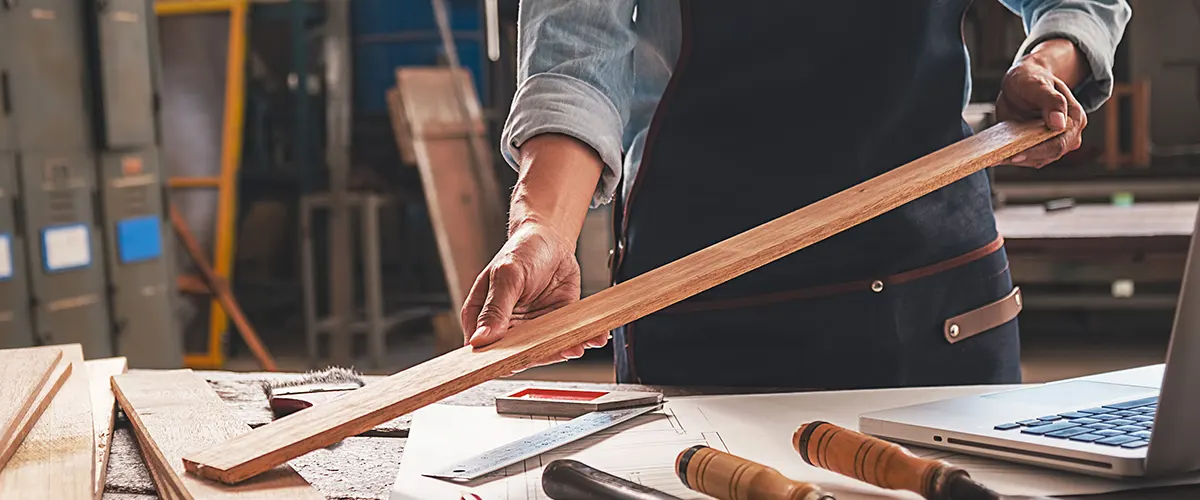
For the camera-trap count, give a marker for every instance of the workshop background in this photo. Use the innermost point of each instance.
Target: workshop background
(316, 182)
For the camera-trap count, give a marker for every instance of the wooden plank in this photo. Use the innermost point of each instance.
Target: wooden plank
(262, 449)
(56, 460)
(400, 127)
(57, 377)
(174, 412)
(457, 176)
(24, 372)
(100, 373)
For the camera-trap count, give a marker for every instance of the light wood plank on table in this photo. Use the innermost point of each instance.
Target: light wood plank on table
(57, 459)
(100, 373)
(268, 446)
(58, 376)
(174, 412)
(24, 373)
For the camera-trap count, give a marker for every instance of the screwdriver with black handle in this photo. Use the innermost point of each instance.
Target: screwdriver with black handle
(730, 477)
(887, 465)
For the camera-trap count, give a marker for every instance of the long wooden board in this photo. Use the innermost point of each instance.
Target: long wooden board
(56, 460)
(24, 373)
(58, 376)
(174, 412)
(100, 373)
(537, 339)
(457, 177)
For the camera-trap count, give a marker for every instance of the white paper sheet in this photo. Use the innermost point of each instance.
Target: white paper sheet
(67, 247)
(757, 427)
(6, 263)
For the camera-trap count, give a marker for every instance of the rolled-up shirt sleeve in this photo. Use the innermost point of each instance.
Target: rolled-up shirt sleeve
(575, 77)
(1094, 26)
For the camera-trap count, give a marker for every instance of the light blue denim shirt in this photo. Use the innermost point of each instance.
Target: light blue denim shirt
(595, 69)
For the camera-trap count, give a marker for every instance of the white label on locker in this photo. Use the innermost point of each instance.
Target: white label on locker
(6, 263)
(66, 247)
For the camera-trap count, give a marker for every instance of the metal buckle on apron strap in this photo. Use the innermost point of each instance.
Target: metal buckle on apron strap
(984, 318)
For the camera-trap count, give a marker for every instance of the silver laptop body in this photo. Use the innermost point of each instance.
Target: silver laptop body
(1169, 444)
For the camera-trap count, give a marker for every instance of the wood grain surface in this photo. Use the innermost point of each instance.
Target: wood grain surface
(449, 143)
(56, 460)
(58, 376)
(872, 460)
(174, 412)
(268, 446)
(100, 373)
(24, 373)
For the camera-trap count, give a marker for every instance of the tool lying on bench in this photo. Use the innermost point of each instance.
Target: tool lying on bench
(887, 465)
(567, 402)
(730, 477)
(535, 340)
(315, 387)
(567, 479)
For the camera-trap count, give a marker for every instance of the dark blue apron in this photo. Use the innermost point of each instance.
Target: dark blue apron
(773, 106)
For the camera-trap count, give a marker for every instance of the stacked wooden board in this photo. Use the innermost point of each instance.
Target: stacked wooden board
(55, 427)
(175, 412)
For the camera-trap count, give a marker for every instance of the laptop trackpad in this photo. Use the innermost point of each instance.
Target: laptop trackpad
(1075, 393)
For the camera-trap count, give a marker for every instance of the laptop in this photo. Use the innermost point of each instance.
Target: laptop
(1142, 422)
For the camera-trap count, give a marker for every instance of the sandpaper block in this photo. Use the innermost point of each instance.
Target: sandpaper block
(570, 402)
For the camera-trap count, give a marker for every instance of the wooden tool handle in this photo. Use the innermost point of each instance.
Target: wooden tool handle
(566, 479)
(730, 477)
(873, 460)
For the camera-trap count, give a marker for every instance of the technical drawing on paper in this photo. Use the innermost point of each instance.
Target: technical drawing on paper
(642, 450)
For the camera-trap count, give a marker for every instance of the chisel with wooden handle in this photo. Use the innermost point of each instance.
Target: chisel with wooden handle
(887, 465)
(567, 479)
(730, 477)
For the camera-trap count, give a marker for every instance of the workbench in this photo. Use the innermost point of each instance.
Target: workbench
(1070, 259)
(364, 467)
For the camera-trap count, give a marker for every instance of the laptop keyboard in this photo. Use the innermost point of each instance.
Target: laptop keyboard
(1126, 424)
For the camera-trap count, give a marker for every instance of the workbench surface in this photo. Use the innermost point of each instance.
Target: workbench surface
(363, 468)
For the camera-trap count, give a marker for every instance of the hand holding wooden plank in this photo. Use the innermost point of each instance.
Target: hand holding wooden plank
(268, 446)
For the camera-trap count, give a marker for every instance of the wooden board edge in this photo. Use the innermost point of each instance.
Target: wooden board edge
(57, 377)
(104, 367)
(26, 405)
(155, 460)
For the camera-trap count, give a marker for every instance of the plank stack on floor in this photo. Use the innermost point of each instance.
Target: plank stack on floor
(56, 458)
(50, 444)
(176, 412)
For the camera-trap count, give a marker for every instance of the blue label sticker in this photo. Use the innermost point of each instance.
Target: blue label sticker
(139, 239)
(66, 247)
(6, 257)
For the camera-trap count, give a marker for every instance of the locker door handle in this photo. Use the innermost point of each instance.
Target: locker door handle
(5, 97)
(9, 4)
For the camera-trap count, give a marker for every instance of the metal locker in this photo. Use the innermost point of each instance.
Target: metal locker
(15, 329)
(6, 41)
(139, 268)
(47, 83)
(66, 266)
(125, 80)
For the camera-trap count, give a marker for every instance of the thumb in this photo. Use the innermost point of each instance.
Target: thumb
(1053, 105)
(505, 288)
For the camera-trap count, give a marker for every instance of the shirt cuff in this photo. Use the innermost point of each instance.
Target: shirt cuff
(1092, 39)
(554, 103)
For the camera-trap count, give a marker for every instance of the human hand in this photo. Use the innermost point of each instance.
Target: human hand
(1031, 90)
(534, 273)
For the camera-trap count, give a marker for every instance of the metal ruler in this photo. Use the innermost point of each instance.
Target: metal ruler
(534, 445)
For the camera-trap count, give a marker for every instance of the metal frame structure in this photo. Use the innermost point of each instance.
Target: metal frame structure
(231, 150)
